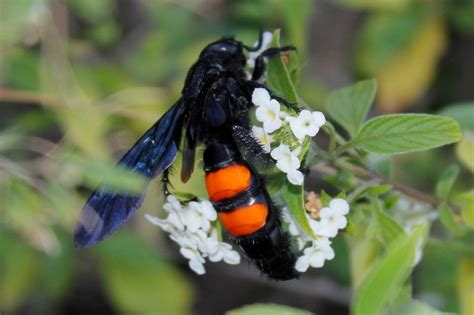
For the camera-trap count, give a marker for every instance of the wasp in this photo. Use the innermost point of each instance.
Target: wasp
(213, 111)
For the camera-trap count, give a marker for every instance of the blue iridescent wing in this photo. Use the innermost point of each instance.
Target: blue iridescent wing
(107, 210)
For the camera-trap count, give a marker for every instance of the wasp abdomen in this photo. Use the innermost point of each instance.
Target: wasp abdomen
(229, 182)
(247, 212)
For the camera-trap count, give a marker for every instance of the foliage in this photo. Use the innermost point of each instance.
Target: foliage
(72, 102)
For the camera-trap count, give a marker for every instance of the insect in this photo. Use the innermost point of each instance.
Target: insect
(213, 111)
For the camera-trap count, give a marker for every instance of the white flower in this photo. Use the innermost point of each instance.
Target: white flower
(339, 206)
(196, 261)
(163, 224)
(189, 225)
(287, 160)
(266, 40)
(260, 96)
(225, 252)
(175, 211)
(269, 114)
(306, 124)
(263, 138)
(295, 177)
(315, 255)
(198, 216)
(332, 218)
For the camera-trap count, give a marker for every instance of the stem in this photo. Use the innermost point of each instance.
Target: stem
(369, 175)
(331, 131)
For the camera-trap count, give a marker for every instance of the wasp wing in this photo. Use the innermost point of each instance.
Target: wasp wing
(106, 210)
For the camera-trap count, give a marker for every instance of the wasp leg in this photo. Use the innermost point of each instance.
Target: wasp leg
(166, 182)
(292, 106)
(259, 43)
(251, 149)
(260, 65)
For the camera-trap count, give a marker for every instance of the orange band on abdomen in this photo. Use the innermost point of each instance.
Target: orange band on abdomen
(246, 220)
(227, 182)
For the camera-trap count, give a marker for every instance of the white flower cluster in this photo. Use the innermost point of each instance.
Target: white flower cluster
(331, 220)
(190, 226)
(306, 124)
(266, 41)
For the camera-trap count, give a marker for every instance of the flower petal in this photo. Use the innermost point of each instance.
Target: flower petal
(197, 267)
(281, 151)
(260, 96)
(295, 177)
(302, 263)
(340, 206)
(319, 118)
(316, 259)
(232, 257)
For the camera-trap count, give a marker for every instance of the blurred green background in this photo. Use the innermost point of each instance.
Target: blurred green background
(80, 80)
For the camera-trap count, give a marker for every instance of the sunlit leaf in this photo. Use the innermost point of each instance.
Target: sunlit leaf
(383, 36)
(388, 275)
(465, 150)
(401, 133)
(407, 76)
(466, 285)
(265, 309)
(349, 106)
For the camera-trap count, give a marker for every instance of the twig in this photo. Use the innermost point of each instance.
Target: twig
(369, 175)
(19, 96)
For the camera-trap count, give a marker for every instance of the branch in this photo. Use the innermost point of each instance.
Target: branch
(369, 175)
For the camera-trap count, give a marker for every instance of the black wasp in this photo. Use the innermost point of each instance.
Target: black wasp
(214, 111)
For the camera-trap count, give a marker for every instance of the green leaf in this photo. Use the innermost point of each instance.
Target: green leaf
(388, 275)
(466, 202)
(364, 254)
(446, 216)
(379, 189)
(265, 309)
(383, 36)
(465, 150)
(401, 133)
(113, 177)
(463, 113)
(138, 281)
(278, 76)
(293, 195)
(19, 270)
(58, 270)
(385, 228)
(17, 18)
(296, 14)
(466, 285)
(415, 307)
(375, 4)
(349, 106)
(446, 181)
